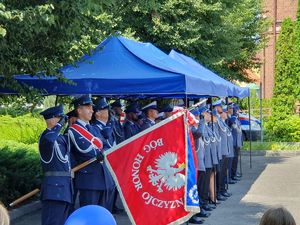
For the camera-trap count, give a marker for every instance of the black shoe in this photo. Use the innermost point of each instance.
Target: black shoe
(195, 221)
(214, 203)
(235, 179)
(221, 198)
(206, 208)
(231, 182)
(212, 206)
(225, 194)
(203, 214)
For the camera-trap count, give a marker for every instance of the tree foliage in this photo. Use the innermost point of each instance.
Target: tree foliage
(223, 35)
(287, 69)
(42, 36)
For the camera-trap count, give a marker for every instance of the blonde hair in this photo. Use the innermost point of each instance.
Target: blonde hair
(4, 218)
(277, 216)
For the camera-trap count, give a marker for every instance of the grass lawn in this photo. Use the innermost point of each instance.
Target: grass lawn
(274, 146)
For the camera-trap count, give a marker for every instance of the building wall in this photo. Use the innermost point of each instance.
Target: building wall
(276, 10)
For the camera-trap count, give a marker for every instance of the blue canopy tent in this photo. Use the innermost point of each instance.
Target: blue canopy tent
(233, 90)
(123, 67)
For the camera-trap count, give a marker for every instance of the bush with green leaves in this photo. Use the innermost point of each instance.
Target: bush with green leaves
(25, 129)
(20, 170)
(286, 130)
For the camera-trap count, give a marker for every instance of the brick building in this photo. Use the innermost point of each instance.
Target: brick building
(277, 11)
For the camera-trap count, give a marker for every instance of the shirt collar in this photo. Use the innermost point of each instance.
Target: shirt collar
(83, 123)
(103, 123)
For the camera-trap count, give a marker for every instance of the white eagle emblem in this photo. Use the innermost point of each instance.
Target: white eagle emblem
(167, 173)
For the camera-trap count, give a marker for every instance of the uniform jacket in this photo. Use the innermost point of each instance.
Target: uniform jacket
(208, 162)
(214, 144)
(235, 125)
(147, 123)
(130, 128)
(199, 144)
(118, 129)
(55, 158)
(96, 175)
(223, 131)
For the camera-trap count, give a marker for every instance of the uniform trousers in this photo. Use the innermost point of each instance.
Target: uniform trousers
(223, 175)
(201, 186)
(205, 192)
(54, 212)
(235, 161)
(90, 197)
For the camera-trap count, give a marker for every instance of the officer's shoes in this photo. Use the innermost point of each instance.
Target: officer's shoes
(225, 194)
(221, 198)
(235, 179)
(206, 208)
(238, 175)
(232, 182)
(203, 214)
(212, 206)
(195, 220)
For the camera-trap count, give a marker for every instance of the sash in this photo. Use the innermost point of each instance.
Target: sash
(87, 135)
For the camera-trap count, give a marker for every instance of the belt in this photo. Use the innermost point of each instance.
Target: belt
(59, 174)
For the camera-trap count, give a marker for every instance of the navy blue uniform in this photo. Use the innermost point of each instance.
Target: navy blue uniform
(237, 142)
(130, 128)
(118, 130)
(106, 130)
(147, 123)
(56, 193)
(94, 179)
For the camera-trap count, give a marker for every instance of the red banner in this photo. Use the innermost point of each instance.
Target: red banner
(149, 170)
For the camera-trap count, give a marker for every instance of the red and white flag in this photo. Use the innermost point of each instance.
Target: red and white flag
(150, 172)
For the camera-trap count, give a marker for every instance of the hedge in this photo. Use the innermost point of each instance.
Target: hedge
(283, 130)
(25, 129)
(20, 170)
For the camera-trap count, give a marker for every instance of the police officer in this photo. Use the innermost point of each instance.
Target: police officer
(104, 125)
(151, 113)
(117, 117)
(131, 126)
(72, 117)
(168, 111)
(86, 143)
(208, 161)
(56, 193)
(235, 125)
(197, 132)
(223, 132)
(230, 143)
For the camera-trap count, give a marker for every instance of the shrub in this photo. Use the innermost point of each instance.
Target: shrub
(286, 130)
(20, 170)
(25, 129)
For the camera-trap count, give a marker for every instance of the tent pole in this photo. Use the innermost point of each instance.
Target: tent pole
(240, 152)
(250, 133)
(56, 100)
(260, 113)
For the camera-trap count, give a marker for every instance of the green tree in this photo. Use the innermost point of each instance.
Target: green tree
(223, 35)
(41, 36)
(286, 90)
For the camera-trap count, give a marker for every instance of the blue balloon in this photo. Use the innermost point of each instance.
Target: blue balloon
(91, 215)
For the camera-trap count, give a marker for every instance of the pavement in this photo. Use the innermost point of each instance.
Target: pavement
(272, 181)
